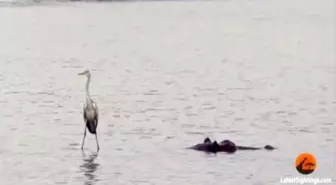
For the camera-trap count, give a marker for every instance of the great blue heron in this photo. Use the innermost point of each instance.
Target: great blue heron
(90, 111)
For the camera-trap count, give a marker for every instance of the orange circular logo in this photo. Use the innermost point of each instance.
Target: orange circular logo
(305, 163)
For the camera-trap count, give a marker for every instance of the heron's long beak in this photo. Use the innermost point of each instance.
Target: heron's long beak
(82, 73)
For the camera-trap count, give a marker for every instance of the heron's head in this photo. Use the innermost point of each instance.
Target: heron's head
(86, 73)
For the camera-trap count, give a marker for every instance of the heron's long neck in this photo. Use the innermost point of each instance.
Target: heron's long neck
(88, 98)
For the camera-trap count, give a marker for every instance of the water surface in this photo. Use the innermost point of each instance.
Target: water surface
(166, 74)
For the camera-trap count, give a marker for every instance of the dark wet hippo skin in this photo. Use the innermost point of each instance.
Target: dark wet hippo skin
(224, 146)
(206, 146)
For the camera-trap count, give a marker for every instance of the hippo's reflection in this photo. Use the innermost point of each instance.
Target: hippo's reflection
(89, 168)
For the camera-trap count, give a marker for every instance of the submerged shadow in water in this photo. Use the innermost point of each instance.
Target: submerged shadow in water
(89, 168)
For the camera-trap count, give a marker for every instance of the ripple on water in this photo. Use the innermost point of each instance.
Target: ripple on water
(89, 168)
(305, 130)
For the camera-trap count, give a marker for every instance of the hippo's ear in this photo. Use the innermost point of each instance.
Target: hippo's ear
(206, 140)
(215, 143)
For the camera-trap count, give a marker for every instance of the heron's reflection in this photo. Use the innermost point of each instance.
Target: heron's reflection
(89, 168)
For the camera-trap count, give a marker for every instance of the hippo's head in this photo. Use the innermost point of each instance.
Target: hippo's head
(228, 146)
(227, 142)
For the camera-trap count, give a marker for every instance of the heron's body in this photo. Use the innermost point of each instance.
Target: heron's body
(91, 118)
(90, 111)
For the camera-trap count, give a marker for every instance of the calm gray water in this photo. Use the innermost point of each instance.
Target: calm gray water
(165, 75)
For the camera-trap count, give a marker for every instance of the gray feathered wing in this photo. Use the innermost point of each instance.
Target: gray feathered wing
(91, 124)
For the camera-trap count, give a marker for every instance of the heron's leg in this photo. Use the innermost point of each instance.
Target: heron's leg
(84, 137)
(97, 142)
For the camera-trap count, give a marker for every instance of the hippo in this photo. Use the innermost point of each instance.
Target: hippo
(224, 146)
